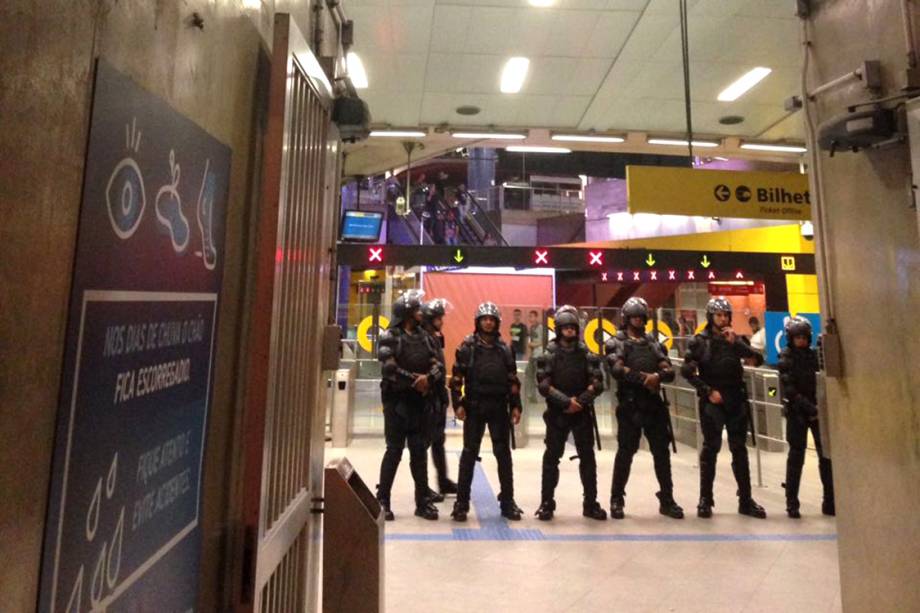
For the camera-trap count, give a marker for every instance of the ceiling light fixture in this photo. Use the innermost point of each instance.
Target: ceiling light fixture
(535, 149)
(588, 138)
(356, 70)
(681, 143)
(489, 135)
(742, 85)
(542, 3)
(513, 75)
(776, 148)
(398, 134)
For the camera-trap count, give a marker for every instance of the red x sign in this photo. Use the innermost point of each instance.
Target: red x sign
(691, 276)
(595, 258)
(541, 256)
(654, 275)
(672, 275)
(375, 254)
(603, 276)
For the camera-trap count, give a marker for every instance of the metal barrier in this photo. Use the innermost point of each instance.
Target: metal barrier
(763, 394)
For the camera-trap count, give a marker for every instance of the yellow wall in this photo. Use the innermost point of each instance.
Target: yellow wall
(802, 292)
(769, 239)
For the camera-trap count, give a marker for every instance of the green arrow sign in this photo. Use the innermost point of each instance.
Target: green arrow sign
(650, 260)
(705, 263)
(458, 257)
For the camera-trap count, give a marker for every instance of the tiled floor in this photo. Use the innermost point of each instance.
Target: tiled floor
(646, 562)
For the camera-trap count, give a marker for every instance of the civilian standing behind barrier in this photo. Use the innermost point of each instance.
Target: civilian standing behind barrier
(640, 365)
(535, 350)
(433, 313)
(713, 366)
(570, 378)
(798, 367)
(518, 334)
(486, 375)
(409, 370)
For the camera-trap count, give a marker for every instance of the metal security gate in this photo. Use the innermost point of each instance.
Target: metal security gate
(284, 398)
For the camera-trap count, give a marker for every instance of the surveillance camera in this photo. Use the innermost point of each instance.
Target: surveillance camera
(808, 230)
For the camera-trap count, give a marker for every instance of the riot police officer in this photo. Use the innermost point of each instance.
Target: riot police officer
(798, 365)
(570, 377)
(485, 373)
(410, 370)
(712, 365)
(432, 320)
(640, 364)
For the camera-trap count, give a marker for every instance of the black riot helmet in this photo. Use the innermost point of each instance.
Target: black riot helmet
(566, 318)
(797, 326)
(718, 304)
(405, 306)
(488, 309)
(434, 308)
(566, 308)
(634, 307)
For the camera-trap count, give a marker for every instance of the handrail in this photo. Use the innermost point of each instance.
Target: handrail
(493, 229)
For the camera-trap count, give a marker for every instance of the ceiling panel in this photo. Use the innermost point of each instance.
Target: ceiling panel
(595, 64)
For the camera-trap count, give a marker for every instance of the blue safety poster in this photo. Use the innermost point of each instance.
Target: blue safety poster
(775, 331)
(124, 512)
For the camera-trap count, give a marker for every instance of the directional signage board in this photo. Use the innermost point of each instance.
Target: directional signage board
(622, 265)
(123, 529)
(718, 193)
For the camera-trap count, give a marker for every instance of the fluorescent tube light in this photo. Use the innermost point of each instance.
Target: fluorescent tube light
(398, 133)
(489, 135)
(513, 75)
(356, 70)
(542, 3)
(681, 143)
(742, 85)
(777, 148)
(588, 138)
(534, 149)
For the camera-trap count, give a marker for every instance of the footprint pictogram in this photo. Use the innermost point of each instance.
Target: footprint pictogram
(206, 217)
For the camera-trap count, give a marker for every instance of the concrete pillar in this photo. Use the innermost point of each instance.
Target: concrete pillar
(870, 238)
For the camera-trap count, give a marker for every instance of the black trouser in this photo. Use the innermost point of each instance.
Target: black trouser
(492, 412)
(797, 428)
(732, 415)
(404, 424)
(650, 415)
(437, 436)
(558, 427)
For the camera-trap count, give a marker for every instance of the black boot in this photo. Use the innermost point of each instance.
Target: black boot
(426, 510)
(751, 508)
(828, 507)
(593, 510)
(668, 506)
(385, 507)
(447, 487)
(545, 512)
(616, 507)
(792, 508)
(704, 508)
(434, 496)
(461, 509)
(511, 511)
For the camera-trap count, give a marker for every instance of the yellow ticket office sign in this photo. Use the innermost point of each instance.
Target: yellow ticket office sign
(718, 193)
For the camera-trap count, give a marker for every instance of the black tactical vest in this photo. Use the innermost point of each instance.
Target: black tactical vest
(570, 370)
(721, 367)
(489, 374)
(415, 352)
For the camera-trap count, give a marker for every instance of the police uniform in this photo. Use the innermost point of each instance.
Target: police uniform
(566, 371)
(484, 383)
(641, 410)
(798, 369)
(712, 363)
(403, 356)
(439, 399)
